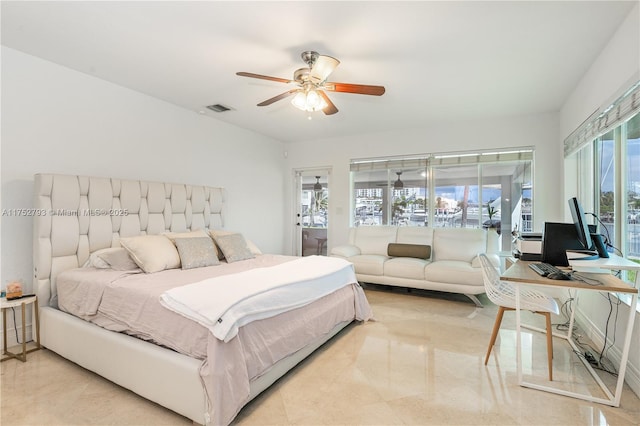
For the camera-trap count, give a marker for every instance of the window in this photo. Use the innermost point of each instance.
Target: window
(605, 185)
(606, 150)
(632, 151)
(610, 167)
(445, 190)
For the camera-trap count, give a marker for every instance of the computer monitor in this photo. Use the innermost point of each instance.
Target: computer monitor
(557, 239)
(580, 222)
(592, 244)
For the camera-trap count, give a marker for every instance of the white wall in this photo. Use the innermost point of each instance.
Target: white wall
(56, 120)
(613, 72)
(540, 131)
(616, 68)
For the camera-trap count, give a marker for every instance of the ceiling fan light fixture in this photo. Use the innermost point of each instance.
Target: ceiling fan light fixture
(322, 68)
(309, 101)
(313, 99)
(299, 100)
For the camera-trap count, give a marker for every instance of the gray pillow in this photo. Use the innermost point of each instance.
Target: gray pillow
(417, 251)
(234, 247)
(196, 252)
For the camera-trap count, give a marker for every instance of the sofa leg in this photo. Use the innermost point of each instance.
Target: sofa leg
(475, 300)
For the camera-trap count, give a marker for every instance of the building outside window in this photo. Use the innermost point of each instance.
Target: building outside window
(446, 190)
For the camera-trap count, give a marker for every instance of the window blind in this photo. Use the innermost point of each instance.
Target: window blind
(482, 157)
(601, 122)
(444, 159)
(371, 164)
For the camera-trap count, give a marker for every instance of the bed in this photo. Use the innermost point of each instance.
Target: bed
(78, 216)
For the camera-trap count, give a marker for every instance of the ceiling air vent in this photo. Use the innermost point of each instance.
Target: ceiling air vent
(218, 108)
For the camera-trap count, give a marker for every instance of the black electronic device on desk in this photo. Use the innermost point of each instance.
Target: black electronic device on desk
(587, 235)
(549, 271)
(528, 246)
(557, 240)
(574, 238)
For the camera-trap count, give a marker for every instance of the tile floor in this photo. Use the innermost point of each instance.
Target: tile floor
(420, 362)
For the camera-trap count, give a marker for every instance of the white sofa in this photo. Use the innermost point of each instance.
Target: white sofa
(452, 267)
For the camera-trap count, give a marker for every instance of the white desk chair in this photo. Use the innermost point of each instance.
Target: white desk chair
(503, 294)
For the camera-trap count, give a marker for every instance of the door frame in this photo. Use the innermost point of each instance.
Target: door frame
(296, 213)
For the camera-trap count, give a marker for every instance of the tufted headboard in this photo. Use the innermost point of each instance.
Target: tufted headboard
(77, 215)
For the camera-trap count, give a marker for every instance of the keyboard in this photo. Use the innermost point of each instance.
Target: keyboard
(544, 269)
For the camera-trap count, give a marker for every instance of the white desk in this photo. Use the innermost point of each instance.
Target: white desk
(613, 262)
(520, 273)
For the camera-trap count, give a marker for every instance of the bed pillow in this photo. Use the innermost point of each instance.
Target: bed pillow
(191, 234)
(118, 259)
(95, 261)
(152, 253)
(418, 251)
(234, 247)
(196, 252)
(218, 232)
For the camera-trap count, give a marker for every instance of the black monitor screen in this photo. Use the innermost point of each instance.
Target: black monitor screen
(580, 223)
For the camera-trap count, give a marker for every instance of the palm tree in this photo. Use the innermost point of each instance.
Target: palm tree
(319, 204)
(463, 205)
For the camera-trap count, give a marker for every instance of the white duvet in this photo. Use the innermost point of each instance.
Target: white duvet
(258, 293)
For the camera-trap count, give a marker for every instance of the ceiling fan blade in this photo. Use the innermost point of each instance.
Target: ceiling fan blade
(322, 68)
(330, 108)
(277, 98)
(361, 89)
(263, 77)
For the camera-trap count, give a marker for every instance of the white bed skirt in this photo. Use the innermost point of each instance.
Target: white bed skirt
(161, 375)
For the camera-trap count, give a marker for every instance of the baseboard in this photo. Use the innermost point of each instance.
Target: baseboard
(591, 331)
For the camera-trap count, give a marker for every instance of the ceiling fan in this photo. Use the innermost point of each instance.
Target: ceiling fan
(312, 84)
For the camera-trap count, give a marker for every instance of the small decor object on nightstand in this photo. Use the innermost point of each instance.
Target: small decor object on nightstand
(14, 290)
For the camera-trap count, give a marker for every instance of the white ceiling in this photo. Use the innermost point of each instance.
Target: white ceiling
(439, 61)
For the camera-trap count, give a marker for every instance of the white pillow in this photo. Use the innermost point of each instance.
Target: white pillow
(95, 260)
(118, 260)
(152, 253)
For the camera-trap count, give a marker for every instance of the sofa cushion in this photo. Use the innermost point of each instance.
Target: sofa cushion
(345, 251)
(458, 244)
(405, 267)
(368, 264)
(418, 251)
(374, 239)
(415, 235)
(454, 272)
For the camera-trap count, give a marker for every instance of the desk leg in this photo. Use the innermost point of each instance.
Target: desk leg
(572, 317)
(625, 349)
(612, 399)
(518, 336)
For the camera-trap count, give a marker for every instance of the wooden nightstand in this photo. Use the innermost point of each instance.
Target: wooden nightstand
(6, 304)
